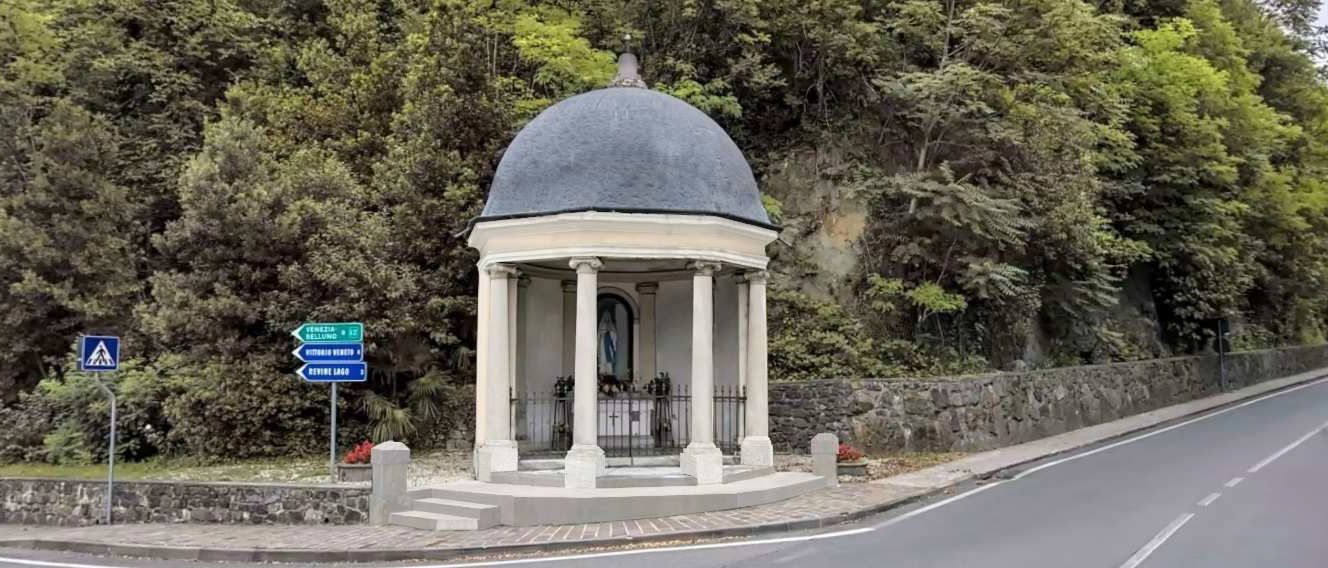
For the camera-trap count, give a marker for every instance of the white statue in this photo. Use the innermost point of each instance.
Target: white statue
(608, 343)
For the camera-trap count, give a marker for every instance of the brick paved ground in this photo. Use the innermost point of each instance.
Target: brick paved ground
(826, 505)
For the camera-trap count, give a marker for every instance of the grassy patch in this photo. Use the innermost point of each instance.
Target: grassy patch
(300, 470)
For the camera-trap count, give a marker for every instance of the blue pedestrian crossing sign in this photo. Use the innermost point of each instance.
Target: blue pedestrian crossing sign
(98, 353)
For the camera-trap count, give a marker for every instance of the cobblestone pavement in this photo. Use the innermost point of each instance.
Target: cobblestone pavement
(825, 505)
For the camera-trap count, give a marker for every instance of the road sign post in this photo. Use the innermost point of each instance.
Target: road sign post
(101, 354)
(331, 353)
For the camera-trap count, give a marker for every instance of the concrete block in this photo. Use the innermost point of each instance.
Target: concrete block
(583, 466)
(390, 461)
(825, 454)
(758, 451)
(494, 456)
(704, 462)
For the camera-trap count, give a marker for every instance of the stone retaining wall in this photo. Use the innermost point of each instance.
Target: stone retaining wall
(78, 503)
(984, 412)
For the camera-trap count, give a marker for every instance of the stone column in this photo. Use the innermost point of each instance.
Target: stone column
(391, 461)
(569, 327)
(742, 332)
(519, 378)
(756, 446)
(499, 450)
(702, 459)
(481, 359)
(648, 291)
(513, 290)
(585, 461)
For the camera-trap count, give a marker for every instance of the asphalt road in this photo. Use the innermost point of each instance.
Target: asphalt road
(1238, 487)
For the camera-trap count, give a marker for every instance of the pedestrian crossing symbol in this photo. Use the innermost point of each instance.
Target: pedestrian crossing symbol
(98, 353)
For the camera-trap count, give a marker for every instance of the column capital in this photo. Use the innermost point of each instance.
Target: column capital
(569, 286)
(500, 270)
(756, 276)
(647, 287)
(704, 267)
(586, 264)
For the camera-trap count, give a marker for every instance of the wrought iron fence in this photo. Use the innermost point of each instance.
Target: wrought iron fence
(652, 419)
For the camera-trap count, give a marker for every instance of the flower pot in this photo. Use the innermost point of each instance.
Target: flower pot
(853, 468)
(354, 472)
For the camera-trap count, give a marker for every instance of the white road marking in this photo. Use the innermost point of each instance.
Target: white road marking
(1288, 448)
(941, 503)
(1157, 541)
(1209, 499)
(1168, 428)
(684, 548)
(1235, 481)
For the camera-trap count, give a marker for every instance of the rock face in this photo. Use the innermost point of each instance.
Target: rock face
(983, 412)
(78, 503)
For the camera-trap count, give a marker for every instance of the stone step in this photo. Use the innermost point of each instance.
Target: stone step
(736, 473)
(434, 521)
(487, 515)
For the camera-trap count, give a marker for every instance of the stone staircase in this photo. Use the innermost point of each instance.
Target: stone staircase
(436, 514)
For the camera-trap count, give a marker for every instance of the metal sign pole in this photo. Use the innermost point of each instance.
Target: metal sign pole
(110, 458)
(332, 453)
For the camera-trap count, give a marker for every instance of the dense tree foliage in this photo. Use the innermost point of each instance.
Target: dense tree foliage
(201, 175)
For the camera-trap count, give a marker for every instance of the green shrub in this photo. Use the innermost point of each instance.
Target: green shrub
(73, 414)
(24, 426)
(817, 340)
(242, 409)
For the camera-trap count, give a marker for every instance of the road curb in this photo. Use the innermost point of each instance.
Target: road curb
(288, 555)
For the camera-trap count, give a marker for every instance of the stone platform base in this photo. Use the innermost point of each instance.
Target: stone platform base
(662, 476)
(471, 505)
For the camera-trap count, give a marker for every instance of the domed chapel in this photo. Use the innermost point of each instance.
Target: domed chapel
(622, 301)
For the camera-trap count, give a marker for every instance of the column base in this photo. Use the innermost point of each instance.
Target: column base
(583, 466)
(703, 461)
(495, 456)
(757, 450)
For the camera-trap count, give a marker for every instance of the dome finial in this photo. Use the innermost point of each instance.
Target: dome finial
(628, 69)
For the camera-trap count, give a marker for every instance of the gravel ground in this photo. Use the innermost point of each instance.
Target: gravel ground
(878, 466)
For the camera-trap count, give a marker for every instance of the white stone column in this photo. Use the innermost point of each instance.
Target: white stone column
(512, 289)
(702, 459)
(499, 450)
(742, 332)
(519, 378)
(481, 358)
(585, 461)
(756, 446)
(647, 364)
(569, 327)
(741, 281)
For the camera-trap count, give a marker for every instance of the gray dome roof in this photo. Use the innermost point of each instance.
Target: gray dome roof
(628, 150)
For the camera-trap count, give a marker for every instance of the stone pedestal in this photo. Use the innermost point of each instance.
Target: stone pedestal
(583, 466)
(495, 456)
(704, 462)
(825, 454)
(390, 460)
(757, 450)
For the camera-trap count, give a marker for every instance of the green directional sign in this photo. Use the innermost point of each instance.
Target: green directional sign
(329, 332)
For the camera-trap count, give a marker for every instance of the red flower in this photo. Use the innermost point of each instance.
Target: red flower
(361, 454)
(848, 453)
